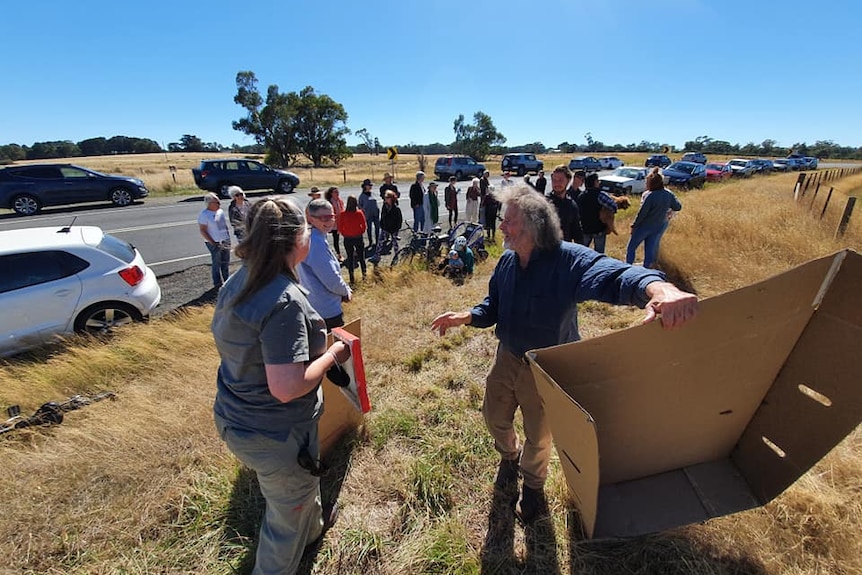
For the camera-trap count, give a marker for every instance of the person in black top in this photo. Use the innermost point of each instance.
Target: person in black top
(567, 208)
(388, 185)
(390, 224)
(541, 182)
(590, 202)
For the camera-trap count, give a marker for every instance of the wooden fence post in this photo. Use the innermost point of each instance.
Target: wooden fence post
(826, 203)
(797, 187)
(814, 198)
(845, 218)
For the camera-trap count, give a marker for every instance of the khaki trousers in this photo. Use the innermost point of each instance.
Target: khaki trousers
(510, 385)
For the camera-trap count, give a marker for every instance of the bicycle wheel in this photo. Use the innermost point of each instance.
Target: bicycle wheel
(404, 255)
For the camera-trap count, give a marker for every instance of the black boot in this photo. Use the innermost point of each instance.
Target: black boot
(531, 505)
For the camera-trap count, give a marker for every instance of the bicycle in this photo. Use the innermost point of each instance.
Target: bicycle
(427, 245)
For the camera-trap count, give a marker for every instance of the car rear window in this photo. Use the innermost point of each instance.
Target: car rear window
(118, 248)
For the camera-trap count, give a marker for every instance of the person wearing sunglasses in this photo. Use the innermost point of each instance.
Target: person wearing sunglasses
(320, 272)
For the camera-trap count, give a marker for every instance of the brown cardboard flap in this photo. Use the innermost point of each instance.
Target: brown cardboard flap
(816, 399)
(578, 449)
(339, 414)
(663, 400)
(714, 418)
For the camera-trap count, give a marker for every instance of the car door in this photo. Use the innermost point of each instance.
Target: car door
(257, 176)
(44, 182)
(81, 186)
(39, 292)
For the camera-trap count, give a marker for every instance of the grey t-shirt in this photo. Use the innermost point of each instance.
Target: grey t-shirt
(276, 325)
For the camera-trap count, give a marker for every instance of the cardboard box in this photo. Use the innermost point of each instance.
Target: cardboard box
(657, 429)
(340, 414)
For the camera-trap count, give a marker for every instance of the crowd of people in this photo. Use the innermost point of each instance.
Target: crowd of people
(273, 314)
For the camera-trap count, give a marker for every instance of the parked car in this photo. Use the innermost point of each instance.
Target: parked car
(762, 166)
(685, 174)
(696, 157)
(522, 164)
(461, 167)
(626, 180)
(27, 189)
(611, 162)
(810, 163)
(741, 168)
(56, 281)
(217, 175)
(718, 172)
(659, 160)
(798, 161)
(585, 163)
(782, 165)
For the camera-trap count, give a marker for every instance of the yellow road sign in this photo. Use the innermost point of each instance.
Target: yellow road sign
(392, 153)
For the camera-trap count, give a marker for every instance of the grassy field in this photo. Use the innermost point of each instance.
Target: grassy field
(155, 169)
(142, 484)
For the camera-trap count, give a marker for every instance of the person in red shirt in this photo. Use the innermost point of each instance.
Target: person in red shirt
(352, 226)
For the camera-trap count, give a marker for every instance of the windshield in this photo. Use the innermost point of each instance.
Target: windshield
(684, 167)
(626, 173)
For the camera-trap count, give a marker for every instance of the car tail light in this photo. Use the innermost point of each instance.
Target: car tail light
(204, 174)
(132, 275)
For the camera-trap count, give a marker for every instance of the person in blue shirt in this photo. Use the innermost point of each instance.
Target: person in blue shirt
(532, 297)
(320, 272)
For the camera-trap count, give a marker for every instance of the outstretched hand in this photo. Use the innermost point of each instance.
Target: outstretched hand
(450, 319)
(675, 306)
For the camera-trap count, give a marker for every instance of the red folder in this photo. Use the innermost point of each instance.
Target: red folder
(356, 391)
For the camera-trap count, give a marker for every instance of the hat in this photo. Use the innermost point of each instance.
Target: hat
(432, 185)
(237, 191)
(366, 182)
(580, 174)
(387, 175)
(314, 192)
(420, 174)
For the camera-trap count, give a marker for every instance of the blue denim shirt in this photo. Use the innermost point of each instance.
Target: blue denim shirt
(533, 307)
(320, 274)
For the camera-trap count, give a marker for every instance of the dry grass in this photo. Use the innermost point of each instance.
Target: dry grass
(143, 485)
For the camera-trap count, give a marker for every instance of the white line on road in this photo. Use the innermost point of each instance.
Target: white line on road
(151, 227)
(179, 260)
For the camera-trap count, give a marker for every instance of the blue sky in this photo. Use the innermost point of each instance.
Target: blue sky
(548, 70)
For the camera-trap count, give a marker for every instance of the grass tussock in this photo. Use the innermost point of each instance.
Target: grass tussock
(142, 484)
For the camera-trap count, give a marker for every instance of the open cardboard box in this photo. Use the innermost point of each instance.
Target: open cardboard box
(657, 429)
(340, 414)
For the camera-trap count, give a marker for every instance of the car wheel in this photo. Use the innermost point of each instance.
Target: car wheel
(121, 197)
(102, 318)
(25, 205)
(521, 171)
(222, 190)
(459, 175)
(628, 191)
(285, 186)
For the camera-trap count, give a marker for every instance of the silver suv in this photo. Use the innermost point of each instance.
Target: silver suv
(522, 163)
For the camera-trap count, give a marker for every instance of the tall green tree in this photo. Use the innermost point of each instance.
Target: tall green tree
(292, 124)
(478, 138)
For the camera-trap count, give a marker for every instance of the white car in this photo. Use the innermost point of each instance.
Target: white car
(627, 180)
(611, 162)
(55, 281)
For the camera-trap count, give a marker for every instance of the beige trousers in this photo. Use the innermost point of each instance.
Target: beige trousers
(510, 385)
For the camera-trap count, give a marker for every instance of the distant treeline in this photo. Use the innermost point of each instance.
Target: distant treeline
(822, 149)
(115, 145)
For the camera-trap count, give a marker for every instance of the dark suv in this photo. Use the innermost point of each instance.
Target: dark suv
(217, 175)
(696, 157)
(659, 160)
(521, 164)
(25, 189)
(459, 166)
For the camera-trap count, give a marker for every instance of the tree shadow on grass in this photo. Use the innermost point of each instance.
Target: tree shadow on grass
(672, 552)
(247, 505)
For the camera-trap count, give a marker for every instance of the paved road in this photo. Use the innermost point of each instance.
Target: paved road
(165, 229)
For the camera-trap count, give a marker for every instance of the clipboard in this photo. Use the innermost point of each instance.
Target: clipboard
(356, 390)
